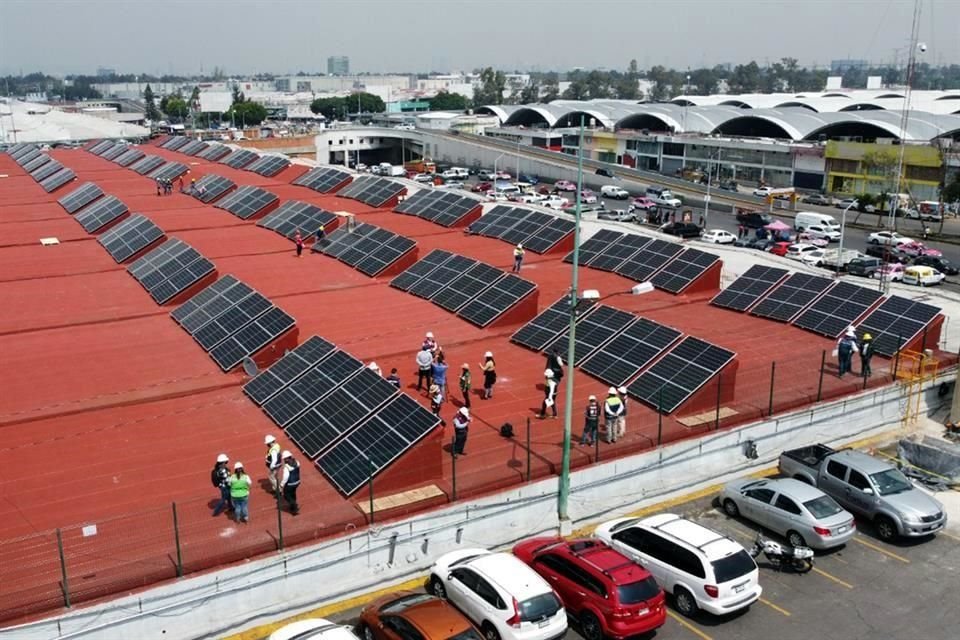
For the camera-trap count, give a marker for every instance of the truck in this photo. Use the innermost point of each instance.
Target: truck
(869, 487)
(391, 170)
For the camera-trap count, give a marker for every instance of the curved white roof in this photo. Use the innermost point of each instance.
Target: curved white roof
(42, 123)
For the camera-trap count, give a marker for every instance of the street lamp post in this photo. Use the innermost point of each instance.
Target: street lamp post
(495, 170)
(843, 225)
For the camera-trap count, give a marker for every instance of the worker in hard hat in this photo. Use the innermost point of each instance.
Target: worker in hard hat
(549, 395)
(219, 476)
(272, 460)
(612, 414)
(489, 369)
(517, 257)
(290, 481)
(461, 423)
(591, 422)
(622, 422)
(240, 484)
(866, 353)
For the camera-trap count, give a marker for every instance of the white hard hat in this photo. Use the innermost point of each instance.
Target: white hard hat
(465, 412)
(592, 397)
(285, 455)
(269, 440)
(548, 373)
(373, 365)
(612, 391)
(238, 465)
(429, 334)
(488, 354)
(519, 246)
(223, 458)
(622, 390)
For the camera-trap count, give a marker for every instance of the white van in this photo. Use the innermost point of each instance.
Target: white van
(455, 173)
(806, 218)
(507, 189)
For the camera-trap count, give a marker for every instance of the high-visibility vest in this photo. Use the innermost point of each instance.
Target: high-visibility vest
(273, 454)
(613, 406)
(240, 486)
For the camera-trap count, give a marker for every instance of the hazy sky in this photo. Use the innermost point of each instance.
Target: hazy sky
(284, 36)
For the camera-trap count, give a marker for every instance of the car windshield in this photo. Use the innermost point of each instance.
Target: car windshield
(467, 634)
(638, 591)
(890, 482)
(539, 607)
(822, 507)
(733, 566)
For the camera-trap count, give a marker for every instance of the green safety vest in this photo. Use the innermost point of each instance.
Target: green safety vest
(240, 486)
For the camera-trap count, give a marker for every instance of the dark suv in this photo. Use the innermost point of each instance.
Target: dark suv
(753, 219)
(864, 267)
(682, 229)
(605, 591)
(940, 264)
(886, 253)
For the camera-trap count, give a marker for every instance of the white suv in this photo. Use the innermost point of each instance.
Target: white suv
(703, 569)
(823, 232)
(504, 597)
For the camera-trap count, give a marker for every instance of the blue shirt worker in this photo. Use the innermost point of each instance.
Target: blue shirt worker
(439, 372)
(461, 424)
(290, 481)
(845, 349)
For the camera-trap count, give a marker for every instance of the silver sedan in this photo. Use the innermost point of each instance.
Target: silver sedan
(803, 514)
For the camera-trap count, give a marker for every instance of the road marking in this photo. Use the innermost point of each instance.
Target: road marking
(689, 626)
(837, 558)
(949, 535)
(775, 607)
(889, 554)
(834, 578)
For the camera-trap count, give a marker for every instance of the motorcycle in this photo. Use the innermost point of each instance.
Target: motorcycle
(782, 556)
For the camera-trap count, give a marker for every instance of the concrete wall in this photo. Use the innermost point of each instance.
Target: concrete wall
(211, 605)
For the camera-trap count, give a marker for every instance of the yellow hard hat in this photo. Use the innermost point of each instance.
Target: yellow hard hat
(867, 336)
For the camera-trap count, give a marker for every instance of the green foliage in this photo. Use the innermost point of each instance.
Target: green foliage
(330, 108)
(368, 102)
(551, 87)
(246, 114)
(864, 200)
(492, 85)
(150, 104)
(446, 101)
(175, 107)
(951, 192)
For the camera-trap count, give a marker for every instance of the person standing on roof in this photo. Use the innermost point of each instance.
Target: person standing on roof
(866, 353)
(219, 476)
(193, 186)
(159, 187)
(436, 401)
(591, 422)
(461, 424)
(517, 257)
(424, 367)
(465, 384)
(612, 414)
(180, 183)
(549, 395)
(622, 422)
(555, 364)
(320, 234)
(439, 373)
(272, 460)
(240, 492)
(845, 348)
(430, 343)
(489, 368)
(298, 240)
(290, 481)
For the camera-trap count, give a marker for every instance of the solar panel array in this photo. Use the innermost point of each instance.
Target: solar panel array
(129, 156)
(57, 180)
(37, 162)
(639, 258)
(247, 201)
(553, 320)
(419, 269)
(680, 273)
(27, 156)
(896, 322)
(371, 190)
(294, 215)
(114, 152)
(592, 332)
(620, 359)
(676, 376)
(754, 284)
(214, 152)
(792, 296)
(367, 248)
(169, 171)
(239, 158)
(287, 369)
(492, 302)
(46, 171)
(80, 197)
(538, 232)
(170, 269)
(837, 309)
(291, 401)
(129, 237)
(101, 213)
(269, 165)
(146, 164)
(442, 207)
(176, 142)
(232, 321)
(193, 147)
(100, 147)
(210, 187)
(323, 179)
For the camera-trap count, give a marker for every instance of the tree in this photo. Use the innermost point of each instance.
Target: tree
(492, 85)
(530, 93)
(446, 101)
(237, 96)
(150, 104)
(368, 102)
(330, 108)
(551, 87)
(247, 113)
(175, 107)
(880, 164)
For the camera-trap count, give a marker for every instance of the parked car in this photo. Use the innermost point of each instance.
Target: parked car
(613, 191)
(815, 258)
(914, 249)
(486, 174)
(718, 236)
(529, 198)
(529, 178)
(605, 591)
(939, 263)
(780, 248)
(497, 197)
(502, 175)
(846, 202)
(864, 267)
(891, 271)
(663, 197)
(556, 203)
(564, 185)
(617, 215)
(425, 178)
(922, 276)
(313, 629)
(588, 197)
(822, 232)
(805, 219)
(891, 238)
(644, 203)
(504, 597)
(729, 185)
(803, 514)
(885, 253)
(681, 229)
(607, 173)
(481, 187)
(762, 192)
(753, 219)
(414, 616)
(872, 488)
(757, 244)
(701, 568)
(818, 199)
(808, 239)
(797, 251)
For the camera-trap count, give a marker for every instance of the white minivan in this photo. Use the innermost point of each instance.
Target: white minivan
(455, 173)
(805, 219)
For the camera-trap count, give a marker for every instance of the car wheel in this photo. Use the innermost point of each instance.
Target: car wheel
(685, 602)
(437, 588)
(590, 626)
(886, 529)
(730, 508)
(489, 631)
(365, 631)
(795, 539)
(874, 241)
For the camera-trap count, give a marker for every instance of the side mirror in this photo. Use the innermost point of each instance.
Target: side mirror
(449, 576)
(868, 491)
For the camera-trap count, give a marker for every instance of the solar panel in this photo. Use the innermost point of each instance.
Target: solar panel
(837, 309)
(528, 223)
(28, 157)
(193, 148)
(467, 286)
(36, 163)
(643, 264)
(749, 287)
(114, 152)
(146, 164)
(231, 320)
(679, 273)
(592, 332)
(548, 236)
(239, 158)
(339, 412)
(375, 444)
(214, 152)
(210, 187)
(100, 147)
(80, 197)
(497, 299)
(420, 269)
(428, 286)
(247, 201)
(169, 269)
(57, 180)
(313, 385)
(169, 171)
(616, 362)
(46, 171)
(179, 281)
(252, 338)
(540, 331)
(323, 179)
(176, 142)
(373, 191)
(385, 254)
(129, 156)
(442, 207)
(616, 253)
(20, 149)
(269, 165)
(791, 297)
(209, 303)
(129, 237)
(294, 215)
(679, 374)
(337, 243)
(497, 222)
(595, 245)
(287, 369)
(896, 322)
(100, 213)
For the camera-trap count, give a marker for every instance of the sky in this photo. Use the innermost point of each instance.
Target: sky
(286, 36)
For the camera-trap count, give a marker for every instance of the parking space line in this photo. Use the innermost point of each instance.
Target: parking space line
(700, 634)
(775, 607)
(889, 554)
(834, 578)
(949, 535)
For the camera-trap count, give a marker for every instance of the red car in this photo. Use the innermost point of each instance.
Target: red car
(780, 248)
(605, 591)
(481, 187)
